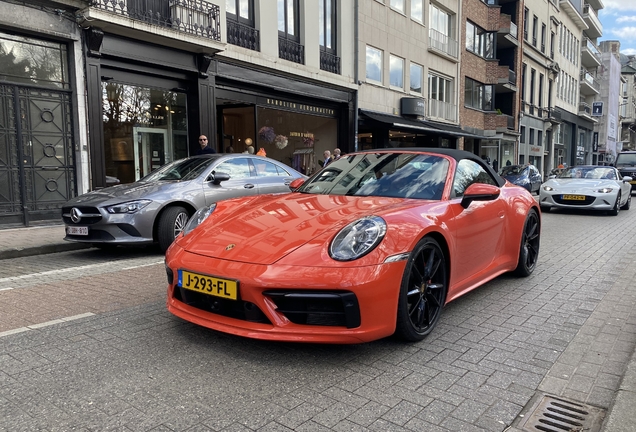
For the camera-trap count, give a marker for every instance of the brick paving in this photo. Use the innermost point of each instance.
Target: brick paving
(568, 330)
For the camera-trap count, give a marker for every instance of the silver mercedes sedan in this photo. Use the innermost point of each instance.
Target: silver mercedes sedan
(155, 208)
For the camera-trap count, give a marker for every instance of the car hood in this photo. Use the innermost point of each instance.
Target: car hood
(265, 229)
(125, 192)
(572, 185)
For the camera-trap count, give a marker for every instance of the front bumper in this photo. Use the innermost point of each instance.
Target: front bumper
(121, 229)
(591, 202)
(290, 303)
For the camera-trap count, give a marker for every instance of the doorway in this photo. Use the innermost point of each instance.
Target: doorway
(152, 150)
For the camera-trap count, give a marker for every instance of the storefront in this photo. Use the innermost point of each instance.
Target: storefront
(294, 126)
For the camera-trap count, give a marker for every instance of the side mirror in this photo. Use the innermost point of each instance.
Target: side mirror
(551, 176)
(627, 179)
(296, 184)
(479, 192)
(218, 177)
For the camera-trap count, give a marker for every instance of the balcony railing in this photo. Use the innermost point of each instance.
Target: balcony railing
(197, 17)
(443, 43)
(514, 30)
(243, 35)
(554, 115)
(290, 50)
(585, 109)
(589, 79)
(442, 110)
(329, 62)
(590, 46)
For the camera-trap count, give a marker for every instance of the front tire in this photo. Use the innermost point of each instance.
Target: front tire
(628, 203)
(423, 291)
(171, 222)
(617, 206)
(529, 249)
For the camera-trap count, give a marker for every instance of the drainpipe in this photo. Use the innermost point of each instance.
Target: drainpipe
(355, 76)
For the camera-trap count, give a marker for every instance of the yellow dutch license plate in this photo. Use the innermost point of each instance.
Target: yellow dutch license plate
(574, 197)
(633, 182)
(208, 285)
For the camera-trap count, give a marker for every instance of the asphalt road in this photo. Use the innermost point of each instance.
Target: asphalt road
(86, 344)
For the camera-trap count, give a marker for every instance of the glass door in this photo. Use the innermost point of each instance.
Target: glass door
(152, 150)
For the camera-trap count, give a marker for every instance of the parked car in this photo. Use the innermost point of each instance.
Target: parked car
(526, 176)
(626, 165)
(155, 208)
(587, 187)
(376, 243)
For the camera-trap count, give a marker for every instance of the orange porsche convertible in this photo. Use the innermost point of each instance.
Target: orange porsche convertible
(374, 244)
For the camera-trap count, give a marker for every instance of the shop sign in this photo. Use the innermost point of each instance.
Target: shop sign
(597, 109)
(309, 109)
(413, 106)
(595, 142)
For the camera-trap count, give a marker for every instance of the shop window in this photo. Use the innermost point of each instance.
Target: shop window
(297, 139)
(144, 128)
(374, 64)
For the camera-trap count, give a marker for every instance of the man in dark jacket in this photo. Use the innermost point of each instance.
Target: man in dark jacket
(205, 148)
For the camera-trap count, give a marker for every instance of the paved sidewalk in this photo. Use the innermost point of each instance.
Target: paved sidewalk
(20, 242)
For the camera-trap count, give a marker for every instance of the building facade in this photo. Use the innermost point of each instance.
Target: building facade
(490, 79)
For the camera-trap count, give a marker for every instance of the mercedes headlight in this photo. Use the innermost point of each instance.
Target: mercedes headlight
(358, 238)
(605, 190)
(198, 217)
(128, 207)
(548, 188)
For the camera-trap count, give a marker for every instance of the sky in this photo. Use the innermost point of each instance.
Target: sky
(619, 23)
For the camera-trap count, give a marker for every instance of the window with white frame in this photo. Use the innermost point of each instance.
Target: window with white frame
(417, 10)
(440, 21)
(398, 5)
(416, 74)
(440, 88)
(374, 64)
(396, 71)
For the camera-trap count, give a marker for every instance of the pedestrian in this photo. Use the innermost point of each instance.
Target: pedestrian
(205, 147)
(229, 149)
(249, 150)
(261, 152)
(336, 154)
(328, 160)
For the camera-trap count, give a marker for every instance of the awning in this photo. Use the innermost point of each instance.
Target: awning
(421, 125)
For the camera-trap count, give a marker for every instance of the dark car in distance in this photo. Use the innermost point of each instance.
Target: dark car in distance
(626, 165)
(526, 176)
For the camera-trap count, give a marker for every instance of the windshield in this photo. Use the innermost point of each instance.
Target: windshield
(182, 169)
(400, 175)
(626, 159)
(589, 173)
(512, 170)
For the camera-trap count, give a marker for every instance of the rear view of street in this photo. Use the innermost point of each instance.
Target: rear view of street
(87, 344)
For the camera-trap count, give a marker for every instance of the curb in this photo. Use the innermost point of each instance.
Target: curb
(40, 250)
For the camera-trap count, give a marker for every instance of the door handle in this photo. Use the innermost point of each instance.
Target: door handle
(248, 186)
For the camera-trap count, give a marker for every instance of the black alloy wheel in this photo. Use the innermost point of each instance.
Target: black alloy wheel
(423, 291)
(529, 249)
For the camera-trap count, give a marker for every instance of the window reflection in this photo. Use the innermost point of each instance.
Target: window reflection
(144, 128)
(32, 61)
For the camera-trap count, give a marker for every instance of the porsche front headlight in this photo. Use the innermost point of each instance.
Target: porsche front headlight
(605, 190)
(197, 218)
(358, 238)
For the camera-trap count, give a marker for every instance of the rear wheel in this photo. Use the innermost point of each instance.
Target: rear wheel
(529, 250)
(423, 291)
(628, 203)
(171, 222)
(617, 206)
